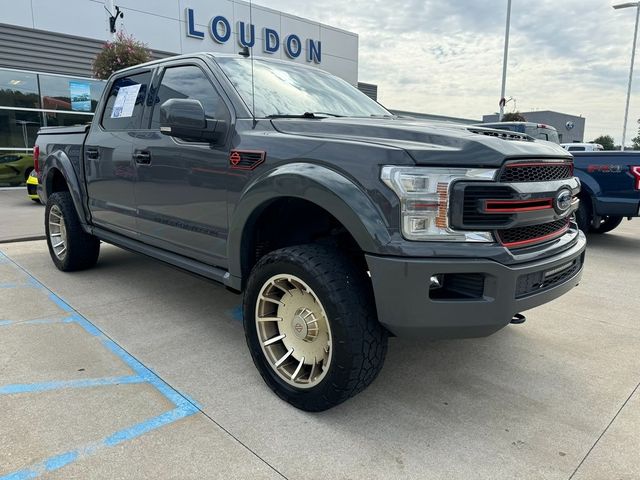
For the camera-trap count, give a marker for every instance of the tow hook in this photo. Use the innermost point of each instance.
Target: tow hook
(518, 318)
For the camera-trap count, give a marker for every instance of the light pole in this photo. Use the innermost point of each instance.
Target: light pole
(504, 62)
(633, 57)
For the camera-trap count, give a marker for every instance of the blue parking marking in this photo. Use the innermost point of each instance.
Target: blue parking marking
(236, 313)
(184, 406)
(38, 321)
(83, 383)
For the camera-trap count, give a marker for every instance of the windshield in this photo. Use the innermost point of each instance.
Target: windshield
(289, 89)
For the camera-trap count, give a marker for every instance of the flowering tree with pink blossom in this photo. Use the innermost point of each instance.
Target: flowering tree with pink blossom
(121, 53)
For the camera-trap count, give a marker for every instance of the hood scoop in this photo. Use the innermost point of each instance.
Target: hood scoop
(503, 134)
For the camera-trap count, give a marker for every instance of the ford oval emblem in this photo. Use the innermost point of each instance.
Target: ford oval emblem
(563, 200)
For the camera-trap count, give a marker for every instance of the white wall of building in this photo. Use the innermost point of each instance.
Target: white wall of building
(162, 25)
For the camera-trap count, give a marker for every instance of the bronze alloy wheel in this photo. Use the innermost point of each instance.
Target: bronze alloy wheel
(57, 232)
(293, 331)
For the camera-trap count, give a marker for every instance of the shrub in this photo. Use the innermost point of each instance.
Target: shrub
(121, 53)
(513, 117)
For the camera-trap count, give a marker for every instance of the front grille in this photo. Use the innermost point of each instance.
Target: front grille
(539, 281)
(32, 189)
(474, 197)
(523, 236)
(536, 172)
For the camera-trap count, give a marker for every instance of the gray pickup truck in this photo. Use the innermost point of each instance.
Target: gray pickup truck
(341, 223)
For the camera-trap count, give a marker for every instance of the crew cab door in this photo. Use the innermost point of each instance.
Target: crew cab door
(181, 185)
(109, 166)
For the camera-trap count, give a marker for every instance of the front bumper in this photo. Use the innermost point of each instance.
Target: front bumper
(407, 307)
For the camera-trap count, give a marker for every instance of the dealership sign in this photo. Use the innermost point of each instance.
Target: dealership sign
(220, 31)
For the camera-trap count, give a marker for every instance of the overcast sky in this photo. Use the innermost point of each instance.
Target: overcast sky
(445, 56)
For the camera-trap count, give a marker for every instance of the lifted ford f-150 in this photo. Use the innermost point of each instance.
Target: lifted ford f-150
(341, 223)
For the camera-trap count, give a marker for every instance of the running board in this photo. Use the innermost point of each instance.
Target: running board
(183, 263)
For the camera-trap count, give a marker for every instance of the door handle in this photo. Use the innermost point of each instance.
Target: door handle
(93, 154)
(142, 158)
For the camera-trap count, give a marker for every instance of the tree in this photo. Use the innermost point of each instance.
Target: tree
(513, 117)
(606, 141)
(123, 52)
(636, 141)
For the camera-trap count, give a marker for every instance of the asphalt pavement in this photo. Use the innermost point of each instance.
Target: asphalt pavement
(137, 370)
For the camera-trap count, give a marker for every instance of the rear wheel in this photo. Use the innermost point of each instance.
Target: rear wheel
(70, 247)
(311, 326)
(607, 224)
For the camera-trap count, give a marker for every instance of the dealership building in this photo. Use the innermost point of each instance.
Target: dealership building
(47, 48)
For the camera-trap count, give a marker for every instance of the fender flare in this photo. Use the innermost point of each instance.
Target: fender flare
(589, 187)
(59, 161)
(322, 186)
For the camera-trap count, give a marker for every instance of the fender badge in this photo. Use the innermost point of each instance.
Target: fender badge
(235, 158)
(246, 159)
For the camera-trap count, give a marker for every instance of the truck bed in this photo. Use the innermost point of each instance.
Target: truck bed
(64, 130)
(608, 178)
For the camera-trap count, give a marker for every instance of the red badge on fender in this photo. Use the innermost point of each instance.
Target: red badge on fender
(246, 159)
(235, 158)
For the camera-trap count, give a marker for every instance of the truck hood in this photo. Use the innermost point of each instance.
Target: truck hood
(428, 143)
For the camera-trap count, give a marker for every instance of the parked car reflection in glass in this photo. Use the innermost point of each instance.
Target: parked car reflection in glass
(15, 168)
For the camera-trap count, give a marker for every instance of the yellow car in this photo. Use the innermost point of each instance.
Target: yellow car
(32, 186)
(15, 168)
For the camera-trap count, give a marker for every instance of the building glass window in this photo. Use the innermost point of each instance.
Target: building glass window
(74, 94)
(19, 89)
(30, 100)
(18, 128)
(64, 119)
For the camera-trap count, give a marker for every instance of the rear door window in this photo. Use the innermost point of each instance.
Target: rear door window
(576, 149)
(125, 102)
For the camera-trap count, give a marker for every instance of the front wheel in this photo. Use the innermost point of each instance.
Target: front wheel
(70, 247)
(607, 224)
(583, 216)
(311, 326)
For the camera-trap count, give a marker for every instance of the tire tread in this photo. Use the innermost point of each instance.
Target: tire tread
(82, 248)
(354, 300)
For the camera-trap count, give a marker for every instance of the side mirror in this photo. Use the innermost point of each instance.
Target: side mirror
(184, 118)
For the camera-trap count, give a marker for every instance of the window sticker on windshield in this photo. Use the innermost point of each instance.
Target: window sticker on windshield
(125, 101)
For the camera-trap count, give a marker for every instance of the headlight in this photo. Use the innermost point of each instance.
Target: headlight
(425, 202)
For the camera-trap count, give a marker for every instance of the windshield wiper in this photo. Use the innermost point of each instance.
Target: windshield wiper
(304, 115)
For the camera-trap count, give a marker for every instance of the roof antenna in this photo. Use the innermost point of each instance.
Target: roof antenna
(248, 53)
(253, 87)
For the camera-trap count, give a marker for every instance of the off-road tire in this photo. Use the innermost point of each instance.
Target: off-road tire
(608, 223)
(82, 249)
(359, 342)
(583, 216)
